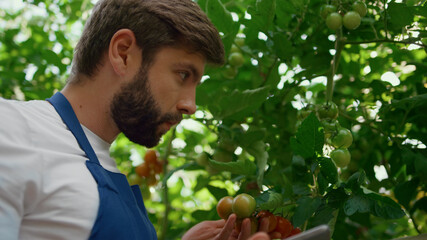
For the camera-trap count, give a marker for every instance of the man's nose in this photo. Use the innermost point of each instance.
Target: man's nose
(187, 103)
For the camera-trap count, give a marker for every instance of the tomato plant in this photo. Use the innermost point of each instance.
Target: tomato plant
(281, 152)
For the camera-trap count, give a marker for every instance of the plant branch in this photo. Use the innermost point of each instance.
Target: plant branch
(385, 41)
(165, 219)
(339, 44)
(415, 223)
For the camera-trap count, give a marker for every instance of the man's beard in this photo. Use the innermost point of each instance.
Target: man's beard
(137, 114)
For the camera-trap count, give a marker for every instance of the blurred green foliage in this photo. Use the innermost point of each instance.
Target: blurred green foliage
(380, 89)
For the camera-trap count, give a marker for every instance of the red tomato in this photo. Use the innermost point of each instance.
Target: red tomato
(224, 207)
(150, 156)
(272, 220)
(284, 227)
(295, 231)
(142, 170)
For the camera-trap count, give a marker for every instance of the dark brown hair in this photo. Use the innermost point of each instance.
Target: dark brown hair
(155, 23)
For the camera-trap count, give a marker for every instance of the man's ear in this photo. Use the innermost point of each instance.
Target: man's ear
(123, 51)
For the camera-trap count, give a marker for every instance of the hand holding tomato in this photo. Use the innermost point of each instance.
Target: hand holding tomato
(223, 230)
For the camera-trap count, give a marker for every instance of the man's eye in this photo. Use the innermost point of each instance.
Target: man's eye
(183, 75)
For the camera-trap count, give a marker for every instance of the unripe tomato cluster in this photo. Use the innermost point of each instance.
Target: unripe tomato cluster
(349, 16)
(338, 137)
(235, 59)
(244, 206)
(148, 171)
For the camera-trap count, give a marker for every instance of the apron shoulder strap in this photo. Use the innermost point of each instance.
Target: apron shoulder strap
(64, 109)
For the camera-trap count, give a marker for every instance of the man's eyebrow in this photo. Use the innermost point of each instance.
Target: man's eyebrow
(190, 67)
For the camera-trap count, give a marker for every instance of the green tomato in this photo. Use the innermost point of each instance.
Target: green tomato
(234, 48)
(328, 111)
(327, 9)
(236, 59)
(304, 112)
(239, 42)
(243, 205)
(343, 139)
(360, 7)
(334, 21)
(330, 127)
(341, 157)
(229, 72)
(351, 20)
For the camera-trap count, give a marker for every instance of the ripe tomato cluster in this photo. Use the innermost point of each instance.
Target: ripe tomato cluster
(235, 59)
(336, 16)
(244, 205)
(150, 169)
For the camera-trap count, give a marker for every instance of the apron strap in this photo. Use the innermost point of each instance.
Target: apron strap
(64, 109)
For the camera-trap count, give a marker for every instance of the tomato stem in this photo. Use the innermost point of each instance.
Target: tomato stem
(339, 44)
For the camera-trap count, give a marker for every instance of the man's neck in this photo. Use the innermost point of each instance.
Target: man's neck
(91, 104)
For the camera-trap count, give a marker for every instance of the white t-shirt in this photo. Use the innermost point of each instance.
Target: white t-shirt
(46, 190)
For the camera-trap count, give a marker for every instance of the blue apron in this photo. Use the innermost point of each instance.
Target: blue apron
(121, 213)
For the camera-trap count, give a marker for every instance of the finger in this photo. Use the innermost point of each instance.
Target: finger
(263, 226)
(260, 236)
(245, 231)
(228, 228)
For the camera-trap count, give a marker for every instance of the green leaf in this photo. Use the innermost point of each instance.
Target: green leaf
(420, 204)
(309, 139)
(383, 206)
(203, 215)
(404, 192)
(323, 215)
(243, 167)
(223, 20)
(284, 12)
(282, 46)
(357, 203)
(263, 14)
(306, 206)
(269, 200)
(356, 180)
(238, 101)
(257, 150)
(217, 192)
(328, 169)
(400, 14)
